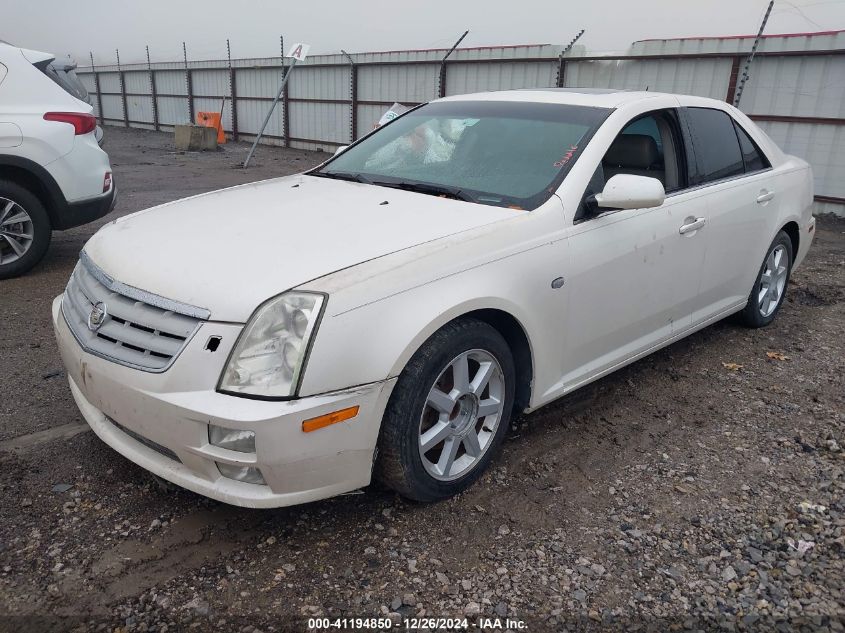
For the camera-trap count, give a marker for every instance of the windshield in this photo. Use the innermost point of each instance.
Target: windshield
(502, 153)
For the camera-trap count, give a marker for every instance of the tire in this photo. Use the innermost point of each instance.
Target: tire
(17, 254)
(762, 306)
(410, 418)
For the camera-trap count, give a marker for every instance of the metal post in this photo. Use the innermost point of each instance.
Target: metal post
(285, 97)
(189, 84)
(561, 63)
(153, 91)
(732, 79)
(270, 112)
(122, 89)
(442, 89)
(353, 96)
(232, 94)
(97, 88)
(748, 61)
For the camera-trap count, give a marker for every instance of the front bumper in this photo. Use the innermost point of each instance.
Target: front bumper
(160, 422)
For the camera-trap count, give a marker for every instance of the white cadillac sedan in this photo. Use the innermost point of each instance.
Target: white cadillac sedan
(388, 313)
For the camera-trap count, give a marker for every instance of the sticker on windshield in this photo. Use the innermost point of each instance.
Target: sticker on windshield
(566, 157)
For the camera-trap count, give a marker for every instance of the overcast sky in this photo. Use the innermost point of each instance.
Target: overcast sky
(254, 26)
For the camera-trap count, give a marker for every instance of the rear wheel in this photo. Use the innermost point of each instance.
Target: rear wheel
(448, 413)
(769, 289)
(24, 230)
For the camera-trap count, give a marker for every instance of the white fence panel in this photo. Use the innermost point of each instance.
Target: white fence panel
(326, 122)
(112, 108)
(140, 109)
(406, 84)
(819, 145)
(252, 113)
(137, 82)
(368, 116)
(320, 83)
(258, 82)
(171, 82)
(210, 83)
(797, 86)
(468, 78)
(702, 77)
(173, 111)
(110, 82)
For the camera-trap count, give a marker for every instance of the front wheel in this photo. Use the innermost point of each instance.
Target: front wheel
(448, 413)
(769, 289)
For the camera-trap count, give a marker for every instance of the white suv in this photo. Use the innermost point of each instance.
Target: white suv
(53, 174)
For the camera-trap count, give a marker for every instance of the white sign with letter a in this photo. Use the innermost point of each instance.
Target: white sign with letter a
(299, 51)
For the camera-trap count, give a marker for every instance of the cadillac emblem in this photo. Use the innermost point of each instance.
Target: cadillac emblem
(97, 317)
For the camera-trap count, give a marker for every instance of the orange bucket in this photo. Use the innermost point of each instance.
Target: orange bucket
(212, 119)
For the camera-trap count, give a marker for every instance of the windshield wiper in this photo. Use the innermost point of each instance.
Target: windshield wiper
(429, 189)
(418, 187)
(342, 175)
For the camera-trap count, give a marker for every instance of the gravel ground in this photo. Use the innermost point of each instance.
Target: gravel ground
(701, 488)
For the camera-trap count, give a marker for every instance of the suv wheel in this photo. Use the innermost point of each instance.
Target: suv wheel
(24, 230)
(448, 413)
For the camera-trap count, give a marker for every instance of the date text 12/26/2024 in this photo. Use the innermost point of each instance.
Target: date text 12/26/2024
(417, 624)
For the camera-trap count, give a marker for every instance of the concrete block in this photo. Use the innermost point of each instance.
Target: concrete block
(195, 138)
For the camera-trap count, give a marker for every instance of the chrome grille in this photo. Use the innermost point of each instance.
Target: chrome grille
(137, 328)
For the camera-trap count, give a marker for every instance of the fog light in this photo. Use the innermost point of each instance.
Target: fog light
(246, 474)
(231, 439)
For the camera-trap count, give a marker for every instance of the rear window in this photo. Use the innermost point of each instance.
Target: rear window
(67, 79)
(751, 154)
(715, 144)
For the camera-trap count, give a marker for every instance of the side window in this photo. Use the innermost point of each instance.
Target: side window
(646, 126)
(715, 144)
(650, 146)
(751, 154)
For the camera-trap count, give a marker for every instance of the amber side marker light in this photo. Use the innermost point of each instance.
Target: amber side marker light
(330, 418)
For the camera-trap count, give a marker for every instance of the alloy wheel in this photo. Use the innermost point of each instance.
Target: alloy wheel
(16, 231)
(461, 415)
(773, 280)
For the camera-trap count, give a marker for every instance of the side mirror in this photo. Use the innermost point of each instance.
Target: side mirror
(341, 148)
(626, 191)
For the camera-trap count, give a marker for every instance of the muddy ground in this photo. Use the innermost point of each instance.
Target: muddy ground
(678, 493)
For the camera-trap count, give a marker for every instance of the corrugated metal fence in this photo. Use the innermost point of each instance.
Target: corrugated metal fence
(796, 91)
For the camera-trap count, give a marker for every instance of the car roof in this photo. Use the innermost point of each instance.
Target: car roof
(596, 97)
(33, 57)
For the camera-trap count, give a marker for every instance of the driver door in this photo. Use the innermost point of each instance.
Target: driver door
(635, 273)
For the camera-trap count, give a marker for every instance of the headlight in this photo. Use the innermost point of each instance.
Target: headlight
(268, 357)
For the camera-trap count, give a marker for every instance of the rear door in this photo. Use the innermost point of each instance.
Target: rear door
(739, 192)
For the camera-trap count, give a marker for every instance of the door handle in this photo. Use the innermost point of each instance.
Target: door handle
(765, 196)
(692, 226)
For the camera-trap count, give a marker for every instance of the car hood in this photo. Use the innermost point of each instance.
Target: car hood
(228, 251)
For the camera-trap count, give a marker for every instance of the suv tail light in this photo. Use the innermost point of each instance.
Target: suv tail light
(82, 123)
